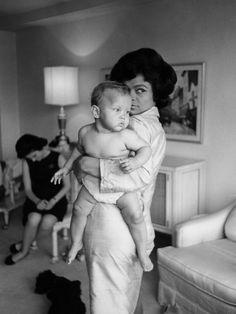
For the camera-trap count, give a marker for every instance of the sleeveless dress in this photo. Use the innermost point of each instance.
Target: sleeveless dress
(41, 173)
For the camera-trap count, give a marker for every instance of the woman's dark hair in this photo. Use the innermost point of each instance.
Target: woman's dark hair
(148, 63)
(99, 90)
(29, 143)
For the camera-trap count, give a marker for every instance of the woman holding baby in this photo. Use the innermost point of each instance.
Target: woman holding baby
(114, 270)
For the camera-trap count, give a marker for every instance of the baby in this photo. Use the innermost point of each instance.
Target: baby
(109, 137)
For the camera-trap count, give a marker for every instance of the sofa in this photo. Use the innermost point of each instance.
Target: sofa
(197, 274)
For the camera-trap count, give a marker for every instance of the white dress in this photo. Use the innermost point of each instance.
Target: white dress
(114, 270)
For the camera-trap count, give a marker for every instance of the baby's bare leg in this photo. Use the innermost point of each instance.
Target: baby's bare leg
(133, 216)
(82, 208)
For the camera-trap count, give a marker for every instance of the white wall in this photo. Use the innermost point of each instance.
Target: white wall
(9, 113)
(182, 31)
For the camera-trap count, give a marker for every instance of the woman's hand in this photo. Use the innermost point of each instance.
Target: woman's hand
(51, 203)
(58, 176)
(42, 204)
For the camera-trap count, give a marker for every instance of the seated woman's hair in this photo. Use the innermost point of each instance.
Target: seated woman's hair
(99, 90)
(29, 143)
(148, 63)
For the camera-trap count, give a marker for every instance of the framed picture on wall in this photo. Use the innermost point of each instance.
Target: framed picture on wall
(182, 118)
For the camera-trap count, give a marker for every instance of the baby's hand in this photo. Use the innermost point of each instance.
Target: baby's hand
(58, 176)
(128, 165)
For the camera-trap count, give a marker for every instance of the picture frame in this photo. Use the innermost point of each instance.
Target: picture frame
(182, 118)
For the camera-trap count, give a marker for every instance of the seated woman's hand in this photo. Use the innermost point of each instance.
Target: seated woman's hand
(42, 204)
(58, 176)
(50, 204)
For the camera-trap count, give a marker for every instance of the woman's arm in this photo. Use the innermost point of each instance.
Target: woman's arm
(27, 184)
(108, 170)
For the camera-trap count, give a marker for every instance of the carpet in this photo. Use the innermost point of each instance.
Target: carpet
(17, 282)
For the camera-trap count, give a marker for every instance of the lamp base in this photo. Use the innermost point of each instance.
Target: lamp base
(61, 118)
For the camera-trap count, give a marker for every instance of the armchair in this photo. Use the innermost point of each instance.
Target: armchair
(197, 273)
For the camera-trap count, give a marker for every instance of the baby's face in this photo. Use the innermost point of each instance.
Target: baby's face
(114, 111)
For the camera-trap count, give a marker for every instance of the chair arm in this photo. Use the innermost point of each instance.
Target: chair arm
(201, 228)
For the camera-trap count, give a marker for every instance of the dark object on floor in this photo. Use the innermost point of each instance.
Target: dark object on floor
(9, 261)
(62, 292)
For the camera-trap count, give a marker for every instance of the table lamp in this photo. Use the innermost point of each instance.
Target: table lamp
(61, 89)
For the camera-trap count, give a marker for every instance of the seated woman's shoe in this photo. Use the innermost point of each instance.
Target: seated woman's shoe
(13, 248)
(34, 246)
(16, 247)
(9, 260)
(15, 258)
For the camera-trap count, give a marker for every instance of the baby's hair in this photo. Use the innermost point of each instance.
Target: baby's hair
(99, 90)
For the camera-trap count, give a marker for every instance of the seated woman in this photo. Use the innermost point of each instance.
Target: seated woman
(62, 145)
(45, 203)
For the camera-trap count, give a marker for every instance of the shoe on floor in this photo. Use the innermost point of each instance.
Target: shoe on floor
(9, 261)
(13, 248)
(34, 246)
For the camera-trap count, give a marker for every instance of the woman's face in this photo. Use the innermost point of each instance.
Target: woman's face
(36, 155)
(142, 95)
(63, 147)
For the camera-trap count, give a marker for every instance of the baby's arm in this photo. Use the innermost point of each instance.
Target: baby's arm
(142, 150)
(77, 151)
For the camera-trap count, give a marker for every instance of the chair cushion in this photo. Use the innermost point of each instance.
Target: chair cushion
(230, 229)
(209, 267)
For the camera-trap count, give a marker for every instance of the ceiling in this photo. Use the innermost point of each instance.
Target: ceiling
(22, 6)
(18, 14)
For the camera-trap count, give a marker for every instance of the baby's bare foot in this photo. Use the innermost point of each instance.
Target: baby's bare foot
(146, 263)
(73, 251)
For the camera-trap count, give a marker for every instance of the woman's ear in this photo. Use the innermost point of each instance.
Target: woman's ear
(95, 111)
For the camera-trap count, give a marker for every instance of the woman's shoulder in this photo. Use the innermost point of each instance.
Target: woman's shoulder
(52, 156)
(147, 124)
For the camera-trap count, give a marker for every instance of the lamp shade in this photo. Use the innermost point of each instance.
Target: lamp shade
(61, 85)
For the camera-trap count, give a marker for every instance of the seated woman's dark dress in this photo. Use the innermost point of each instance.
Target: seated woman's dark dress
(41, 173)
